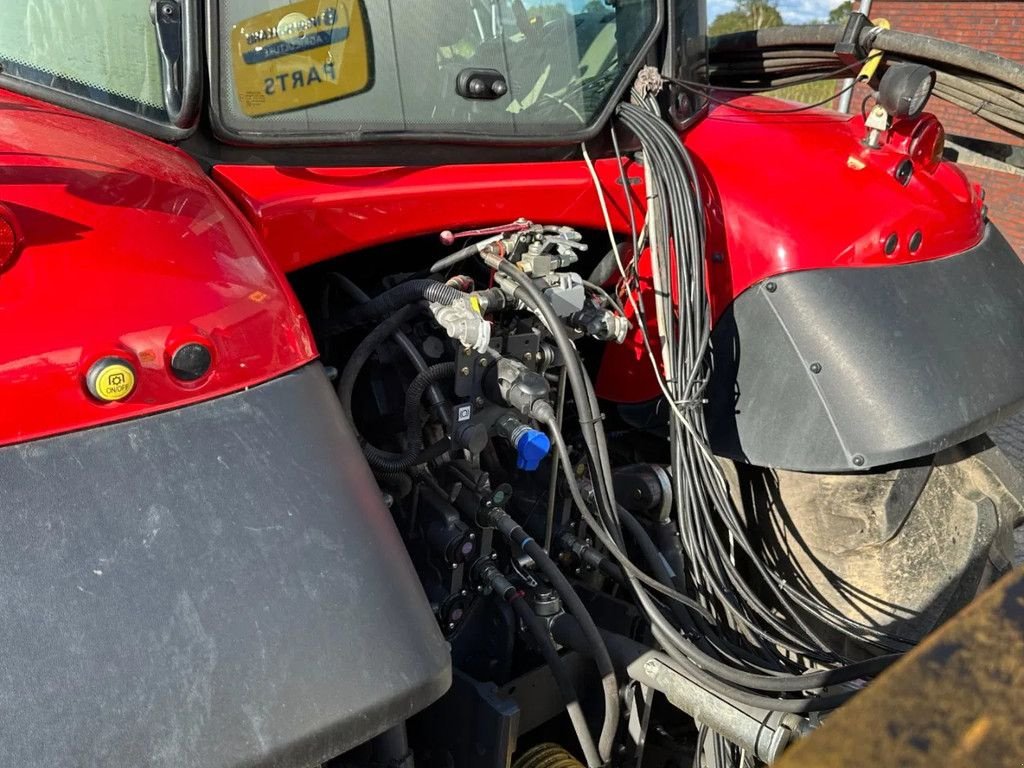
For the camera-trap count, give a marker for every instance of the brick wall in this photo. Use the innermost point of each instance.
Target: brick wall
(990, 25)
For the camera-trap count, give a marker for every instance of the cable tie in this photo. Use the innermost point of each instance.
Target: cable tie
(648, 82)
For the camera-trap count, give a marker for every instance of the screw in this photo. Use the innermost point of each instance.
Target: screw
(815, 367)
(858, 460)
(464, 592)
(652, 667)
(770, 287)
(472, 537)
(480, 402)
(483, 362)
(528, 357)
(465, 370)
(451, 625)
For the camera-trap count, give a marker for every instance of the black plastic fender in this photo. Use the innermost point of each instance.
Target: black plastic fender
(836, 370)
(212, 587)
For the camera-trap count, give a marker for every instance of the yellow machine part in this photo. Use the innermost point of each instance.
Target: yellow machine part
(547, 756)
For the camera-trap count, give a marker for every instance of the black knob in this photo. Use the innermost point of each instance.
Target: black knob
(191, 361)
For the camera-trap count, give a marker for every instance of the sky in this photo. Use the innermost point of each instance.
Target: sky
(793, 11)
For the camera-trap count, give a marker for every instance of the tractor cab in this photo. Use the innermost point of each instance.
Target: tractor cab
(330, 71)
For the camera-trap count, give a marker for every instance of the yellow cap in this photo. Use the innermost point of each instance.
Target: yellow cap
(110, 379)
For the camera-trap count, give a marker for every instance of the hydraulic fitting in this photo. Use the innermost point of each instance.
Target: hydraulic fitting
(600, 324)
(520, 387)
(464, 323)
(532, 446)
(487, 573)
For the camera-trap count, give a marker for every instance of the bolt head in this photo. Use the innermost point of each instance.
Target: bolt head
(651, 668)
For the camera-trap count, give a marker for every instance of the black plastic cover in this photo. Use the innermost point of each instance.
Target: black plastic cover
(215, 586)
(835, 370)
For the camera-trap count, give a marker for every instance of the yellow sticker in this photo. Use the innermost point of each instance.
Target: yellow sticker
(301, 54)
(110, 381)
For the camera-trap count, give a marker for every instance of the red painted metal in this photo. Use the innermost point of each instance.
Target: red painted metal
(10, 237)
(307, 215)
(800, 191)
(783, 192)
(127, 249)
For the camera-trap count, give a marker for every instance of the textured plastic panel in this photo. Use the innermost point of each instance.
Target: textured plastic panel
(846, 369)
(214, 586)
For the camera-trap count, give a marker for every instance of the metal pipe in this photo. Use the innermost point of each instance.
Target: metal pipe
(847, 95)
(761, 732)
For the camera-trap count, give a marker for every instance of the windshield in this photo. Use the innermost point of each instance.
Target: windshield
(101, 50)
(348, 68)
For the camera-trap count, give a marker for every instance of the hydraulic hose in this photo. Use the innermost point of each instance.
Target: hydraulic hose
(657, 563)
(392, 300)
(381, 460)
(542, 638)
(423, 382)
(910, 45)
(515, 533)
(980, 82)
(405, 344)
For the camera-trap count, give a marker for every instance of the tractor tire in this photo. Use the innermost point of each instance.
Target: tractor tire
(899, 549)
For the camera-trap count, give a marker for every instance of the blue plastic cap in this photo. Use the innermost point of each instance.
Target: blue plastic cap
(532, 448)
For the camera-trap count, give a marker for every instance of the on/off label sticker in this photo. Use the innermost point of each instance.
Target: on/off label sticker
(299, 55)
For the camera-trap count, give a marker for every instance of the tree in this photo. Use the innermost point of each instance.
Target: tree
(748, 14)
(838, 14)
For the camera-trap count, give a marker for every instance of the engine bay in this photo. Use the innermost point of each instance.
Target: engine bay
(607, 584)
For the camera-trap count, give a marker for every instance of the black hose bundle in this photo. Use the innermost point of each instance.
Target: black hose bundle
(385, 304)
(512, 531)
(414, 453)
(982, 83)
(356, 294)
(728, 619)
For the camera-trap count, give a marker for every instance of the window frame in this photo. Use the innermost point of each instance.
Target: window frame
(192, 89)
(320, 139)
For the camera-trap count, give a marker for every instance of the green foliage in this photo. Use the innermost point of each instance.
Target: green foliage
(807, 93)
(547, 11)
(838, 14)
(748, 14)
